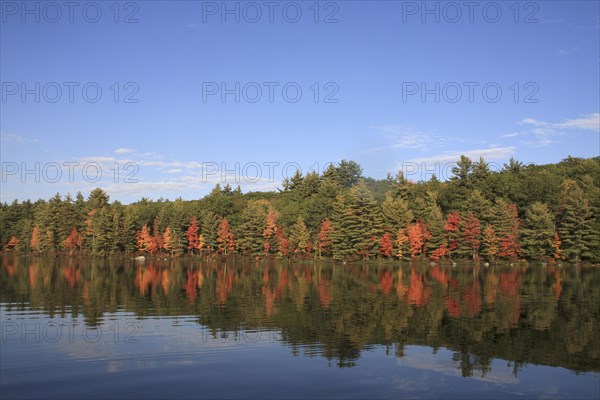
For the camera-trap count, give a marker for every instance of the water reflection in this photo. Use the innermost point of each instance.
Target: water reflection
(535, 315)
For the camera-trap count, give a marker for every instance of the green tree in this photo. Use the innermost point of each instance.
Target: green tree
(300, 237)
(395, 213)
(363, 221)
(576, 224)
(537, 234)
(250, 233)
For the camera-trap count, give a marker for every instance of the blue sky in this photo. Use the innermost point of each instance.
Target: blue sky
(371, 66)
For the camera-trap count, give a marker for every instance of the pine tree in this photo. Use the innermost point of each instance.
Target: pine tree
(300, 237)
(341, 246)
(537, 234)
(489, 242)
(479, 205)
(253, 224)
(576, 224)
(395, 213)
(363, 221)
(208, 229)
(507, 229)
(435, 221)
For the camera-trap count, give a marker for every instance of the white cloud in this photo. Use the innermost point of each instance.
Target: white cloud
(489, 154)
(544, 133)
(568, 52)
(440, 165)
(402, 137)
(589, 122)
(12, 137)
(124, 151)
(145, 187)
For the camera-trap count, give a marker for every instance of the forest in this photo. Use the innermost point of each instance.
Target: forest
(520, 213)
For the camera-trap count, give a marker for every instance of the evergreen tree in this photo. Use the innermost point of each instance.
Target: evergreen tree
(300, 237)
(395, 213)
(435, 221)
(363, 221)
(537, 234)
(250, 232)
(576, 224)
(507, 229)
(348, 173)
(340, 219)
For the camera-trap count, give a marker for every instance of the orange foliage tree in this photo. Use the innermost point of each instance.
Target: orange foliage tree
(386, 247)
(415, 239)
(225, 237)
(193, 241)
(324, 237)
(73, 241)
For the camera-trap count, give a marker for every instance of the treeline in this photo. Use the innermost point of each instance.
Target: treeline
(546, 212)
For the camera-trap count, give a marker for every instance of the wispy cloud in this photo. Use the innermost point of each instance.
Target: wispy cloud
(568, 52)
(545, 132)
(14, 138)
(124, 151)
(422, 168)
(489, 154)
(403, 137)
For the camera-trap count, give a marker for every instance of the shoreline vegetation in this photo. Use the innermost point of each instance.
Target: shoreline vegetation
(522, 213)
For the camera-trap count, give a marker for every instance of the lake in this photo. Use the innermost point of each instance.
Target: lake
(93, 328)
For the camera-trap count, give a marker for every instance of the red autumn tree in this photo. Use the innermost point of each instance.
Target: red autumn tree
(282, 242)
(386, 247)
(440, 252)
(470, 236)
(12, 243)
(425, 234)
(557, 246)
(225, 237)
(73, 241)
(415, 239)
(324, 236)
(157, 244)
(452, 232)
(508, 241)
(34, 243)
(192, 235)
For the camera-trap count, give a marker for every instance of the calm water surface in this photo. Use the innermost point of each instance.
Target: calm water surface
(95, 329)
